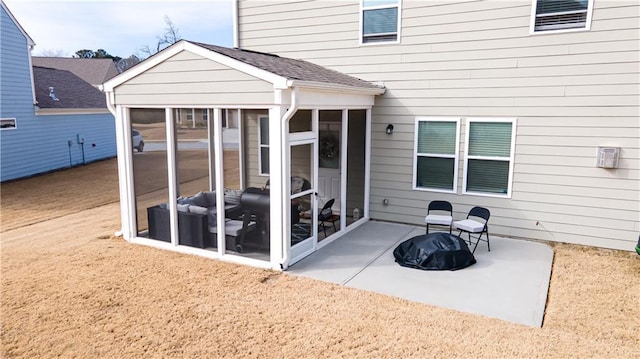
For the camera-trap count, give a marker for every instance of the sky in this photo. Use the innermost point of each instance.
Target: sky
(122, 28)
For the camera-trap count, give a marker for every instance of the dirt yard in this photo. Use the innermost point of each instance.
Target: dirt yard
(72, 289)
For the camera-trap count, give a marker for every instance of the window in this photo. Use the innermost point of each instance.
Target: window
(263, 151)
(380, 21)
(489, 156)
(550, 15)
(7, 123)
(436, 148)
(205, 115)
(190, 114)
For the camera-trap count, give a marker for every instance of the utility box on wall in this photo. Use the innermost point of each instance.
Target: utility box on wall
(608, 157)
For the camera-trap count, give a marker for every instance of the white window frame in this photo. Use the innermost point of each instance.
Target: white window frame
(190, 114)
(533, 31)
(261, 145)
(363, 8)
(455, 156)
(205, 115)
(511, 158)
(15, 123)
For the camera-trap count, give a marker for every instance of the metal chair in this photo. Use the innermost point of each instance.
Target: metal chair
(439, 219)
(326, 215)
(478, 226)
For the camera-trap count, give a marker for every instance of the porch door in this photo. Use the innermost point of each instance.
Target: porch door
(303, 214)
(329, 174)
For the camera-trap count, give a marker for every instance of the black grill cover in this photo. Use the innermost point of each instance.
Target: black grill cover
(435, 251)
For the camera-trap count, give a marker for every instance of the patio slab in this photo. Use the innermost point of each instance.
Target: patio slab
(509, 283)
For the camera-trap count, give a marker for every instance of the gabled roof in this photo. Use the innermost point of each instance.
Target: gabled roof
(282, 72)
(291, 69)
(72, 91)
(29, 39)
(93, 71)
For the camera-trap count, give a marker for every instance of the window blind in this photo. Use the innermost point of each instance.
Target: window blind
(437, 137)
(490, 139)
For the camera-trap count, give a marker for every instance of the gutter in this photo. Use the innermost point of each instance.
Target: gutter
(286, 250)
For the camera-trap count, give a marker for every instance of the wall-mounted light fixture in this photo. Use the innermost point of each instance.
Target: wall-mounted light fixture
(389, 129)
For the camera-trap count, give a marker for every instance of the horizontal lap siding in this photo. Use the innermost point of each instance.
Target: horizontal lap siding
(571, 92)
(40, 143)
(191, 80)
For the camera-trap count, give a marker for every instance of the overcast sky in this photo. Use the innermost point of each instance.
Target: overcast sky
(119, 27)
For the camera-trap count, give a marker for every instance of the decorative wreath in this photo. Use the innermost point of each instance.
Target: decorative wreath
(329, 149)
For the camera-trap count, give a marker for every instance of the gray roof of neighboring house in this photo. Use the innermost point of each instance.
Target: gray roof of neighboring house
(72, 91)
(93, 71)
(289, 68)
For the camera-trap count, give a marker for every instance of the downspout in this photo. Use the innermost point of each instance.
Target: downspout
(286, 250)
(234, 11)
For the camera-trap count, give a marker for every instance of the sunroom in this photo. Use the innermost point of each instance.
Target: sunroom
(246, 157)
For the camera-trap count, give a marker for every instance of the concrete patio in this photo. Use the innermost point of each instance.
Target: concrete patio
(509, 283)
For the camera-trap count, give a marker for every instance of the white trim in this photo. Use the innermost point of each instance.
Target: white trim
(333, 87)
(344, 147)
(207, 253)
(235, 22)
(30, 42)
(261, 145)
(367, 165)
(131, 217)
(71, 111)
(183, 45)
(219, 180)
(172, 180)
(511, 159)
(455, 156)
(398, 28)
(15, 123)
(532, 23)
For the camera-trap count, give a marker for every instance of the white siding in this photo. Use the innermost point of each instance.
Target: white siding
(191, 80)
(571, 92)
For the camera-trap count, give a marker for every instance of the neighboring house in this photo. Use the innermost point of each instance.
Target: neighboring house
(50, 118)
(93, 71)
(501, 104)
(528, 110)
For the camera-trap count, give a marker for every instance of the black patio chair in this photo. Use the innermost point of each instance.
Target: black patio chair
(477, 225)
(439, 218)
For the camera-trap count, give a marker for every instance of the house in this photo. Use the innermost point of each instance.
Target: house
(93, 71)
(378, 109)
(51, 119)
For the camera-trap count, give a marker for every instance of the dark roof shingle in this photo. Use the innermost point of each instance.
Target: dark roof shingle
(94, 71)
(72, 91)
(289, 68)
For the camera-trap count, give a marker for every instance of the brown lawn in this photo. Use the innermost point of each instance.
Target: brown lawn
(72, 289)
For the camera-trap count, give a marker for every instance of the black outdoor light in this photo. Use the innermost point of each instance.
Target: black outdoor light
(389, 129)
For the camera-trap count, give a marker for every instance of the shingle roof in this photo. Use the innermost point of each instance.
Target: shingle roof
(93, 71)
(289, 68)
(72, 91)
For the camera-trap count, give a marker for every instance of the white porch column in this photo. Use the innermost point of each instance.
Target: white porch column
(277, 156)
(171, 173)
(125, 175)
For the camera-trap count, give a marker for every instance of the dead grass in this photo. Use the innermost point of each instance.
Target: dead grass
(70, 289)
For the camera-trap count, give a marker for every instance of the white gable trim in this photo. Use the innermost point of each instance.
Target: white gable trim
(29, 39)
(182, 45)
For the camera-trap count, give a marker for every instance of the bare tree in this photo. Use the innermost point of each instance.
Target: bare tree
(51, 53)
(171, 36)
(127, 63)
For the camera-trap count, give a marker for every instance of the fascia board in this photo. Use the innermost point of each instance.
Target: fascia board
(30, 41)
(71, 111)
(322, 86)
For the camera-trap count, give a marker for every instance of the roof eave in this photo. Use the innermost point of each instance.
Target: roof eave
(333, 87)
